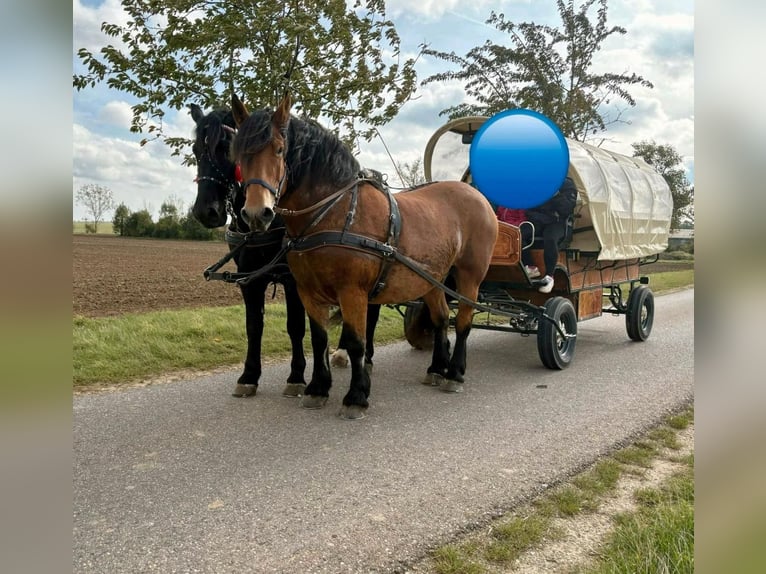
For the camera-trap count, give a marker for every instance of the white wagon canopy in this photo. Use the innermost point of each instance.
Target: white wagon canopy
(624, 206)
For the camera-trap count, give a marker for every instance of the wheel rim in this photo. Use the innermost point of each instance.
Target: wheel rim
(644, 320)
(563, 344)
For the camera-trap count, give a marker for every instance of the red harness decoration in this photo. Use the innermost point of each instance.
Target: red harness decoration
(237, 174)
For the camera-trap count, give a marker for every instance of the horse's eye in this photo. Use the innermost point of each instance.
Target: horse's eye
(280, 151)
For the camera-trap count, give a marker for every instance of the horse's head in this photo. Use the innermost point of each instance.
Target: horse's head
(260, 149)
(216, 179)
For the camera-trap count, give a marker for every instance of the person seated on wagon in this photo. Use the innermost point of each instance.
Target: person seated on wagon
(550, 221)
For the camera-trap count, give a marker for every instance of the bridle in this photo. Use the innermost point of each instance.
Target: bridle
(276, 192)
(231, 186)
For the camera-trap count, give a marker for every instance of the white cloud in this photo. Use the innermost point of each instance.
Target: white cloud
(118, 114)
(433, 9)
(86, 24)
(138, 176)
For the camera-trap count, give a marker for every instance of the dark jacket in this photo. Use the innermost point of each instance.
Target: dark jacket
(557, 208)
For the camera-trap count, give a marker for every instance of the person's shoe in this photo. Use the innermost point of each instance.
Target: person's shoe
(532, 271)
(546, 286)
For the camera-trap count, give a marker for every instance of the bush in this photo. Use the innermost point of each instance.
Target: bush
(90, 227)
(139, 224)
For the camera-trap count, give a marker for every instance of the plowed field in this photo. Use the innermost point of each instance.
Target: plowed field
(115, 275)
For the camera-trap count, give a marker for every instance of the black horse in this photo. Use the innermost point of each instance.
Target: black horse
(220, 194)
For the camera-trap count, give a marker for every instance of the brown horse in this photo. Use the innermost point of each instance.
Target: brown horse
(354, 242)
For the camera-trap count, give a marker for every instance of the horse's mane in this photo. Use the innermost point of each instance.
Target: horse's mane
(212, 127)
(311, 150)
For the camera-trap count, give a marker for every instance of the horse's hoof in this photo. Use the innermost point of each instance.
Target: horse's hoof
(313, 402)
(339, 359)
(433, 379)
(352, 412)
(244, 390)
(293, 389)
(450, 386)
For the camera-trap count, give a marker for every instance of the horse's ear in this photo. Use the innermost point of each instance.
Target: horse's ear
(282, 115)
(238, 110)
(196, 113)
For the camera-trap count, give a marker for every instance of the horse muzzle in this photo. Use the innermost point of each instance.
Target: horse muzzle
(258, 219)
(211, 215)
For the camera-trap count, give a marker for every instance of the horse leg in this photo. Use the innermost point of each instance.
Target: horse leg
(253, 295)
(296, 329)
(454, 378)
(373, 314)
(439, 311)
(318, 390)
(354, 306)
(340, 357)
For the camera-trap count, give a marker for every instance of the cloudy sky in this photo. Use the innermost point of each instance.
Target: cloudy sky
(659, 46)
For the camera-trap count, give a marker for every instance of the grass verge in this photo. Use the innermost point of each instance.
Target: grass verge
(657, 537)
(134, 346)
(131, 347)
(671, 280)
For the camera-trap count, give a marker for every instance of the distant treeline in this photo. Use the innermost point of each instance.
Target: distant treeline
(170, 224)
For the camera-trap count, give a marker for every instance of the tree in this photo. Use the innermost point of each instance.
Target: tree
(193, 229)
(167, 225)
(170, 53)
(97, 199)
(120, 219)
(546, 69)
(411, 174)
(139, 224)
(669, 164)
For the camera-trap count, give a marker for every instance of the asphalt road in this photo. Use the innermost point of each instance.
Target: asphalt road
(182, 477)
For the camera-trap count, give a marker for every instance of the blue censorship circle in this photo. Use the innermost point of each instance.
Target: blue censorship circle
(519, 159)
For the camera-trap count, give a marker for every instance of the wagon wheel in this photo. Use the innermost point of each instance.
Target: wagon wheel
(557, 352)
(418, 329)
(640, 313)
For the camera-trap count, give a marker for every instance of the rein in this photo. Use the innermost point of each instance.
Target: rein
(318, 204)
(252, 239)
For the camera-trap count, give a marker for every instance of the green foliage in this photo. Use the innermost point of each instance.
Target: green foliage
(669, 164)
(120, 219)
(192, 229)
(168, 226)
(170, 53)
(139, 224)
(544, 68)
(97, 200)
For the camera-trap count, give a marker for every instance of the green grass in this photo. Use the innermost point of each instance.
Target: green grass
(104, 227)
(453, 560)
(513, 537)
(133, 346)
(670, 280)
(659, 537)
